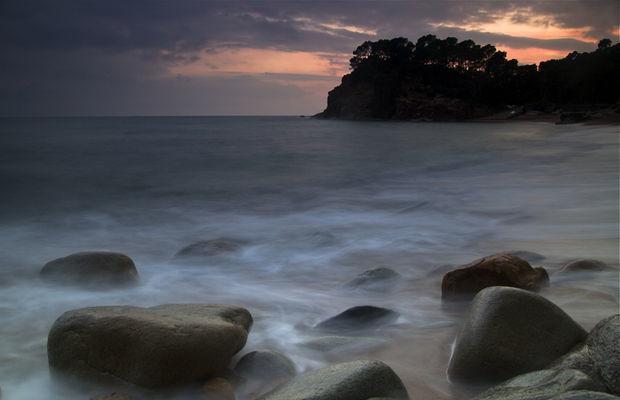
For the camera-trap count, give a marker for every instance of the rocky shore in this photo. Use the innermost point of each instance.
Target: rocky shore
(512, 344)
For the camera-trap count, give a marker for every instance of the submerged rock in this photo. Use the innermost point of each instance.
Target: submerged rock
(218, 389)
(599, 356)
(377, 279)
(586, 265)
(207, 248)
(508, 332)
(343, 344)
(502, 269)
(92, 269)
(358, 319)
(347, 381)
(158, 346)
(264, 370)
(540, 385)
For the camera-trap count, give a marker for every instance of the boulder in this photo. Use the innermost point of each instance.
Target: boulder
(585, 395)
(508, 332)
(540, 385)
(265, 365)
(377, 279)
(583, 265)
(503, 269)
(347, 381)
(151, 347)
(207, 248)
(599, 356)
(358, 319)
(92, 268)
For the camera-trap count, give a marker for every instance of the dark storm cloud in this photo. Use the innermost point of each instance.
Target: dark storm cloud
(82, 56)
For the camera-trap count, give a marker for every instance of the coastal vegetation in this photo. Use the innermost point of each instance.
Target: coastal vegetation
(441, 79)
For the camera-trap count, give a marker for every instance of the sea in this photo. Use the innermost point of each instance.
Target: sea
(314, 203)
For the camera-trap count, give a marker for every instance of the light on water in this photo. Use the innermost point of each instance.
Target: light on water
(314, 203)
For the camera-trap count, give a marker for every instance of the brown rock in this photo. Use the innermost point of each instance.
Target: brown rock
(502, 269)
(218, 389)
(92, 268)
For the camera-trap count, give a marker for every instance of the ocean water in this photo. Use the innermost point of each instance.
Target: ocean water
(315, 202)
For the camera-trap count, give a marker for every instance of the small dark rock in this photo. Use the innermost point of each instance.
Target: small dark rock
(207, 248)
(376, 279)
(358, 318)
(586, 265)
(503, 269)
(92, 269)
(268, 367)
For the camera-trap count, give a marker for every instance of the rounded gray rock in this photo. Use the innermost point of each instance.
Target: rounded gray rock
(207, 248)
(358, 318)
(540, 385)
(376, 279)
(92, 269)
(265, 365)
(151, 347)
(583, 265)
(347, 381)
(604, 345)
(508, 332)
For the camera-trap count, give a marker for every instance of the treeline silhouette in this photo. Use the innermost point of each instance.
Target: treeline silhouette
(396, 78)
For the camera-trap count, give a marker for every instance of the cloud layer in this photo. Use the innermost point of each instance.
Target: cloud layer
(194, 57)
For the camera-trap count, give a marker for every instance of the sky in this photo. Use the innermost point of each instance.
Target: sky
(195, 57)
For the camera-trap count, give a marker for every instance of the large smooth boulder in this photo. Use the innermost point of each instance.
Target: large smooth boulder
(502, 269)
(263, 370)
(358, 318)
(92, 268)
(151, 347)
(599, 356)
(378, 279)
(586, 265)
(540, 385)
(207, 248)
(347, 381)
(508, 332)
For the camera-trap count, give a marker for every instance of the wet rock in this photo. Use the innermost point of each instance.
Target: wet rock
(347, 381)
(377, 279)
(344, 344)
(585, 395)
(158, 346)
(112, 396)
(218, 389)
(508, 332)
(358, 319)
(264, 370)
(586, 265)
(502, 269)
(92, 269)
(207, 248)
(599, 356)
(604, 344)
(528, 256)
(540, 385)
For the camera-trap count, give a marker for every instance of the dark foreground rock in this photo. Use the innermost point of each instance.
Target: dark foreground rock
(585, 395)
(92, 269)
(584, 265)
(264, 370)
(508, 332)
(376, 279)
(502, 269)
(348, 381)
(151, 347)
(207, 248)
(358, 319)
(540, 385)
(599, 356)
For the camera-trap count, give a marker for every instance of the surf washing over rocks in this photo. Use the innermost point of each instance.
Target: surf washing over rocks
(283, 258)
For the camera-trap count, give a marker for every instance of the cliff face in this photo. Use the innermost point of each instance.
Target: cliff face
(388, 97)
